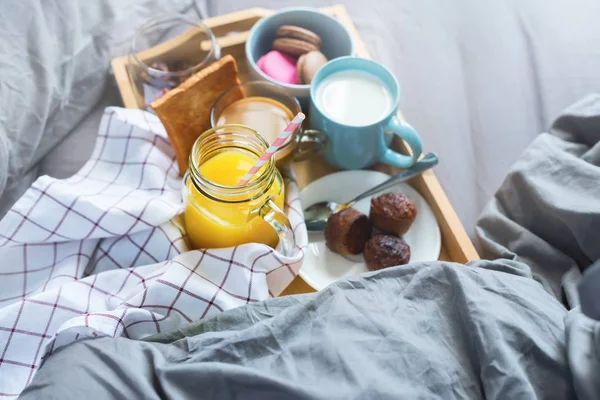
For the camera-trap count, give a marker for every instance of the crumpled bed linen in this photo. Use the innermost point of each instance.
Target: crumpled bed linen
(54, 69)
(422, 331)
(491, 329)
(546, 214)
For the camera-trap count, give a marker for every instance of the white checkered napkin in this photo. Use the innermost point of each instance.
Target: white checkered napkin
(103, 253)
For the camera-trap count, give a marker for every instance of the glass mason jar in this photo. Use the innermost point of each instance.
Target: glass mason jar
(166, 51)
(223, 214)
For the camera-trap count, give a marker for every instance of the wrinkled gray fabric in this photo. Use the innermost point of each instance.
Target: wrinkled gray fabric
(547, 215)
(491, 329)
(588, 291)
(491, 77)
(54, 67)
(547, 212)
(583, 348)
(437, 330)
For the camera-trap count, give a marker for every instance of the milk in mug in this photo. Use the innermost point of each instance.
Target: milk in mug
(354, 98)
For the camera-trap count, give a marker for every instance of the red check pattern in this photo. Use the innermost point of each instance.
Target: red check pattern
(104, 253)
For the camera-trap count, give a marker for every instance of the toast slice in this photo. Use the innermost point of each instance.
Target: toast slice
(185, 110)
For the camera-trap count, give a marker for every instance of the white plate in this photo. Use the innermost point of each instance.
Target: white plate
(321, 266)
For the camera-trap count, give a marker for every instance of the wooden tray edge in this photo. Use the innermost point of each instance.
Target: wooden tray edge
(455, 239)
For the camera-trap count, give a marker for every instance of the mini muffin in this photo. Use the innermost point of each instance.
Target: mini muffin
(392, 213)
(347, 232)
(383, 251)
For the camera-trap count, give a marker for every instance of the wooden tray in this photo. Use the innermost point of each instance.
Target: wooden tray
(231, 31)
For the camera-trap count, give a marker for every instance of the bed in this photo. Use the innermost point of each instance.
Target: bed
(479, 82)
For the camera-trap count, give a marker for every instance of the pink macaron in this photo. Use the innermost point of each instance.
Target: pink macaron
(279, 66)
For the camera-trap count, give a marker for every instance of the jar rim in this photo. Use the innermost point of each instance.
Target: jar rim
(252, 188)
(169, 18)
(269, 85)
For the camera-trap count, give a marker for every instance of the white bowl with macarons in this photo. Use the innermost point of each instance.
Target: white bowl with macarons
(335, 41)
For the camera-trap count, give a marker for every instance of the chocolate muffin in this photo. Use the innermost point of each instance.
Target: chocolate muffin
(392, 213)
(383, 251)
(347, 232)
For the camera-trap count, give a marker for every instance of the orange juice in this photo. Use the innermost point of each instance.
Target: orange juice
(225, 221)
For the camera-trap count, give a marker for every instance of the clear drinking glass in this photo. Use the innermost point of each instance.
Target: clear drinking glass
(167, 50)
(302, 143)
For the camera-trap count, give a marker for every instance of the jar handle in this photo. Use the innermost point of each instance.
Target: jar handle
(280, 222)
(311, 143)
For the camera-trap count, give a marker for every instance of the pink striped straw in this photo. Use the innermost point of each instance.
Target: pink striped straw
(273, 148)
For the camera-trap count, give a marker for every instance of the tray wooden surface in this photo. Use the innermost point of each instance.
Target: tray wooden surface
(231, 31)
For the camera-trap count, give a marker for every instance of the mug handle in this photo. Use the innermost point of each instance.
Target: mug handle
(410, 136)
(280, 222)
(311, 143)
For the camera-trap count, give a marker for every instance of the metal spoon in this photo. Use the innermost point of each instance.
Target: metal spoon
(317, 214)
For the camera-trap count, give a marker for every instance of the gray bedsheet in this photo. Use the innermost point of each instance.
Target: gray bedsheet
(547, 212)
(54, 68)
(491, 329)
(547, 215)
(425, 331)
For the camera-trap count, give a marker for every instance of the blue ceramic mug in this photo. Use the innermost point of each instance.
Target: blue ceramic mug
(354, 147)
